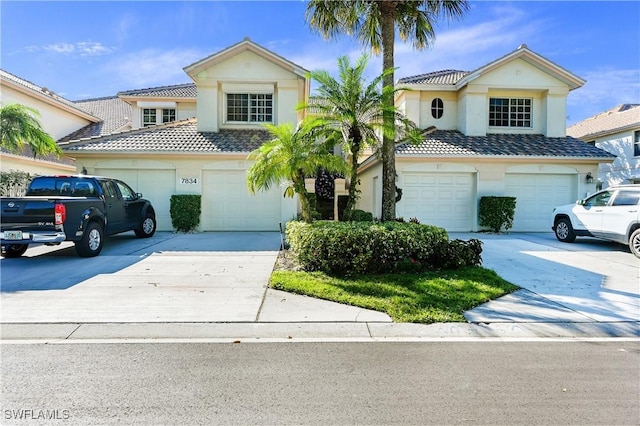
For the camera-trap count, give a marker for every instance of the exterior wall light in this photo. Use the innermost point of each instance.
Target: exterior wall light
(589, 177)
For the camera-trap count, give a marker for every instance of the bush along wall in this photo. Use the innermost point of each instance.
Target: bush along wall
(185, 212)
(496, 212)
(343, 248)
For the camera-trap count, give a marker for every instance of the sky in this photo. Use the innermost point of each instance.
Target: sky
(91, 49)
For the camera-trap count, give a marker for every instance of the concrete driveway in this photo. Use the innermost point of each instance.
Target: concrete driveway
(170, 277)
(222, 277)
(588, 281)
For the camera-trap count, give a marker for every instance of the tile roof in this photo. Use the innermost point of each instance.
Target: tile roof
(619, 118)
(452, 143)
(114, 112)
(41, 91)
(444, 77)
(187, 90)
(179, 136)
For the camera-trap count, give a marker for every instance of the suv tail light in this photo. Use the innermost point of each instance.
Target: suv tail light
(60, 214)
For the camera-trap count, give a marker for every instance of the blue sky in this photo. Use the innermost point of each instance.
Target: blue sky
(83, 49)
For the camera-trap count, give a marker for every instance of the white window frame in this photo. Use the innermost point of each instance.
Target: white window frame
(158, 115)
(512, 110)
(256, 107)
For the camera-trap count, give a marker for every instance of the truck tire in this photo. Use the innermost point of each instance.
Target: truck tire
(147, 227)
(634, 243)
(90, 244)
(14, 250)
(564, 231)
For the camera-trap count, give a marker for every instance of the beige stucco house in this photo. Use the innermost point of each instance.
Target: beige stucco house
(616, 131)
(58, 117)
(169, 151)
(497, 130)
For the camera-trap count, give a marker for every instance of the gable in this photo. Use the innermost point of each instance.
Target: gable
(519, 74)
(247, 65)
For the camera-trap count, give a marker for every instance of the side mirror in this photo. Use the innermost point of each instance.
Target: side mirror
(138, 195)
(580, 202)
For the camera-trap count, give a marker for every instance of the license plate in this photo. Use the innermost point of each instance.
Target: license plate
(12, 235)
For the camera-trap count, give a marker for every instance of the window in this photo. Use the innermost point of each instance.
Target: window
(168, 115)
(252, 108)
(437, 108)
(148, 117)
(636, 143)
(127, 193)
(626, 198)
(599, 200)
(509, 112)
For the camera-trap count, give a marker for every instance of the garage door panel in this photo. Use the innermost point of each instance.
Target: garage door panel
(228, 205)
(157, 186)
(440, 199)
(536, 196)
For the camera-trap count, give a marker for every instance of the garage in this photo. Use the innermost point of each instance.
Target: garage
(536, 196)
(227, 204)
(441, 199)
(156, 186)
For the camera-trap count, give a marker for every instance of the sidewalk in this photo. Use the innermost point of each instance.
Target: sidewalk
(177, 287)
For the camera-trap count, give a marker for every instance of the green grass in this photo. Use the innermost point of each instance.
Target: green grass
(421, 298)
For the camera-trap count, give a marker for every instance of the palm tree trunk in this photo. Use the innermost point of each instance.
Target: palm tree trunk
(353, 179)
(301, 190)
(388, 16)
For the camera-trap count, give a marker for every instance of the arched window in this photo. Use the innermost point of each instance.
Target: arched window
(437, 108)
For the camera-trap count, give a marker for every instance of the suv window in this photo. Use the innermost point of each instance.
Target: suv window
(626, 198)
(599, 200)
(127, 193)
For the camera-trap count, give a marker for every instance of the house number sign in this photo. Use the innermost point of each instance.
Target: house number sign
(189, 181)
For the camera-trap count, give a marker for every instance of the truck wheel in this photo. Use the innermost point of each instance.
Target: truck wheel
(92, 240)
(564, 231)
(147, 227)
(14, 250)
(634, 242)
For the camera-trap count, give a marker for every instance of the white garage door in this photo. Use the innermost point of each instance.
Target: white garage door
(536, 196)
(441, 199)
(227, 205)
(157, 186)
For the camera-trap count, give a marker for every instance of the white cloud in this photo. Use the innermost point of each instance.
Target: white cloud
(604, 89)
(153, 67)
(81, 48)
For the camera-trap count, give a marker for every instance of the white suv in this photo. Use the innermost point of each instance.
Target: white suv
(611, 214)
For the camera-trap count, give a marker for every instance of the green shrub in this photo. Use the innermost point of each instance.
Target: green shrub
(341, 248)
(497, 212)
(361, 216)
(14, 183)
(185, 212)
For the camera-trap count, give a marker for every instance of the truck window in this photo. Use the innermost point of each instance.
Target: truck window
(108, 189)
(127, 193)
(50, 186)
(84, 189)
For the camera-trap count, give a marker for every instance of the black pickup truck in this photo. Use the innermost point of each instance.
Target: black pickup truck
(82, 209)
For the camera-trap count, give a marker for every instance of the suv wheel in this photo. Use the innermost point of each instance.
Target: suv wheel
(634, 242)
(564, 231)
(147, 227)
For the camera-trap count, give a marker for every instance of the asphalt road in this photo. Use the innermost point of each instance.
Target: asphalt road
(538, 382)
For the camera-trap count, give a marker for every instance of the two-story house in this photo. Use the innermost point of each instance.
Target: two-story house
(234, 93)
(616, 131)
(498, 130)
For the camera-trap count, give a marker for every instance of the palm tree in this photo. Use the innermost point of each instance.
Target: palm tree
(20, 126)
(374, 23)
(352, 111)
(291, 156)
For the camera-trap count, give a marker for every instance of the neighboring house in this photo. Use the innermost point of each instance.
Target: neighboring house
(616, 131)
(497, 130)
(58, 117)
(235, 92)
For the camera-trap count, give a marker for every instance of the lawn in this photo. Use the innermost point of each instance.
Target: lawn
(425, 297)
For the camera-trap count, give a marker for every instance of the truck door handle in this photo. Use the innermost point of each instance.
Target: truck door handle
(109, 205)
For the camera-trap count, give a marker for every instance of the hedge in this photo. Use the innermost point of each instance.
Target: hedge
(365, 247)
(185, 212)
